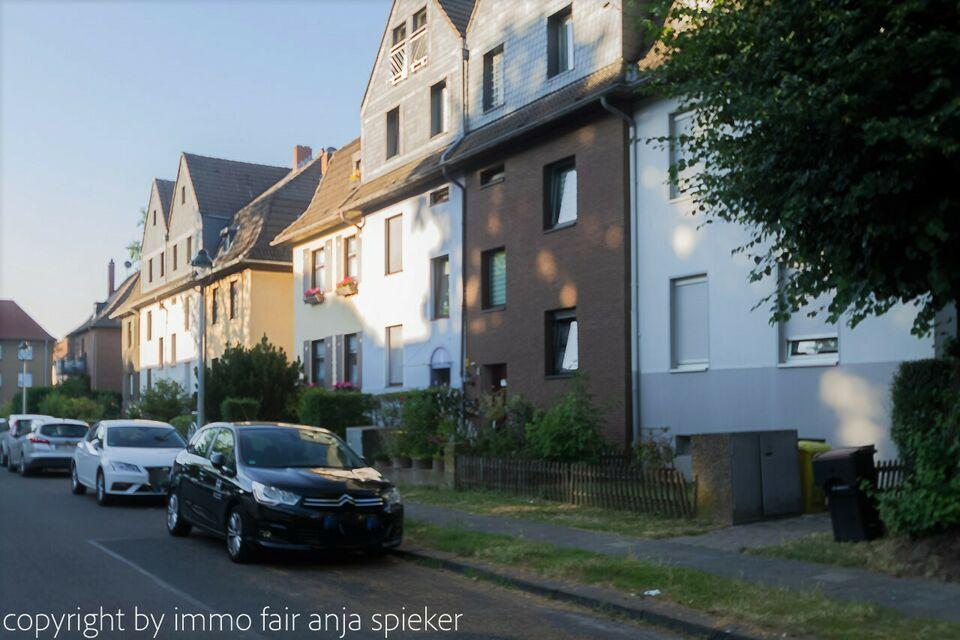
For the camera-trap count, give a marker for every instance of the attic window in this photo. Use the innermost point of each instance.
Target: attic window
(418, 40)
(154, 217)
(183, 195)
(393, 132)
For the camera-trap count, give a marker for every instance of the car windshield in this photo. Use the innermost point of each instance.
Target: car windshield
(145, 437)
(63, 430)
(278, 447)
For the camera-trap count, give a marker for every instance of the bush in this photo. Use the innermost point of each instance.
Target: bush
(430, 418)
(262, 372)
(164, 401)
(926, 430)
(334, 410)
(183, 424)
(111, 401)
(502, 431)
(239, 409)
(63, 406)
(570, 431)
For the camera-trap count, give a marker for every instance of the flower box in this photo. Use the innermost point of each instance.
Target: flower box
(347, 287)
(313, 296)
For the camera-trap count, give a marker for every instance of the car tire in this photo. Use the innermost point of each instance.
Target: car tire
(103, 498)
(12, 468)
(23, 468)
(176, 525)
(3, 458)
(239, 549)
(77, 488)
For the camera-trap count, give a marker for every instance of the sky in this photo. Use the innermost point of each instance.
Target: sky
(99, 97)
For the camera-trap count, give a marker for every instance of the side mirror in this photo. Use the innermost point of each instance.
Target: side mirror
(97, 445)
(217, 460)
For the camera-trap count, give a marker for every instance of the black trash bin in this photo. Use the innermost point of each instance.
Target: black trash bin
(843, 473)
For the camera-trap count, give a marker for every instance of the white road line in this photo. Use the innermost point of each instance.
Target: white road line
(163, 583)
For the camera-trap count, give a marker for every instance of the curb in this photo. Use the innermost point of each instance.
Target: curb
(686, 622)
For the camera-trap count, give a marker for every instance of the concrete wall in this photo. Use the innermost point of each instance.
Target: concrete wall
(383, 300)
(747, 384)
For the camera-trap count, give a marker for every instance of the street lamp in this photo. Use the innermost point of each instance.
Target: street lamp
(202, 264)
(24, 354)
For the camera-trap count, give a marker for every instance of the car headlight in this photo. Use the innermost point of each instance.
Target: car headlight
(272, 496)
(125, 466)
(391, 498)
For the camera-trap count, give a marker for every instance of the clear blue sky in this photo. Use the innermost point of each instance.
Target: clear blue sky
(98, 98)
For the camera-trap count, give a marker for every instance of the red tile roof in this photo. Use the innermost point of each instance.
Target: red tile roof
(16, 324)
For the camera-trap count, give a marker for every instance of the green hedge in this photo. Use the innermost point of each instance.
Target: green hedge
(182, 424)
(926, 430)
(239, 409)
(334, 410)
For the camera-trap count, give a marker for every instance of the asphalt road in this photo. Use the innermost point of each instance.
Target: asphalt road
(62, 554)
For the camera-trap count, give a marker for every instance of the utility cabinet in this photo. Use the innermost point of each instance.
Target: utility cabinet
(746, 475)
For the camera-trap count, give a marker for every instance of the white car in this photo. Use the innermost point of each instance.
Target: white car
(49, 445)
(125, 458)
(19, 427)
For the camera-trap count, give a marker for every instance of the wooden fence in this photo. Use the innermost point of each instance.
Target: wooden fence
(889, 474)
(612, 486)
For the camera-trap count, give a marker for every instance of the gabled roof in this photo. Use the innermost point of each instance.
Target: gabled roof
(334, 189)
(101, 318)
(256, 224)
(16, 324)
(224, 186)
(165, 193)
(458, 11)
(394, 183)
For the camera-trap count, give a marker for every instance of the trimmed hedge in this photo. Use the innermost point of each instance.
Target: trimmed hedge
(926, 430)
(239, 409)
(334, 410)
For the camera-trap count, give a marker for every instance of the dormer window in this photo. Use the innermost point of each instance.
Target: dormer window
(560, 42)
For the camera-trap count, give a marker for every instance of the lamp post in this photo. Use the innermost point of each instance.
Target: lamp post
(24, 354)
(202, 264)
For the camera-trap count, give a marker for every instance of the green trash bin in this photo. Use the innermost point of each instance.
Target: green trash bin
(811, 496)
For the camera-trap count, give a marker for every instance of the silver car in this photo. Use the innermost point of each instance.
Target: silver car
(19, 424)
(50, 444)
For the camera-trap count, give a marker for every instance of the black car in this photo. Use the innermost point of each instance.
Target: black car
(271, 485)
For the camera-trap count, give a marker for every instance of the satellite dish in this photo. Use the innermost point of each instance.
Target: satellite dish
(127, 264)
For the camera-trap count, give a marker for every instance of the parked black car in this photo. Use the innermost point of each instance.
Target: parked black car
(271, 485)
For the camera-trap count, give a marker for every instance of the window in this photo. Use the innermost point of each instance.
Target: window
(399, 34)
(394, 256)
(129, 333)
(183, 195)
(189, 248)
(681, 125)
(150, 270)
(233, 299)
(419, 19)
(149, 325)
(689, 329)
(174, 266)
(173, 347)
(318, 363)
(393, 132)
(440, 377)
(163, 263)
(438, 108)
(493, 78)
(560, 194)
(439, 196)
(160, 351)
(351, 359)
(440, 268)
(149, 378)
(395, 356)
(214, 307)
(806, 339)
(201, 442)
(224, 445)
(492, 175)
(186, 312)
(351, 257)
(154, 217)
(493, 264)
(560, 42)
(562, 342)
(319, 260)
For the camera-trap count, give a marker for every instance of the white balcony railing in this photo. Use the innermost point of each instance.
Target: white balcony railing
(418, 48)
(398, 62)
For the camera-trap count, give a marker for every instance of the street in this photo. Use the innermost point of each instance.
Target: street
(62, 554)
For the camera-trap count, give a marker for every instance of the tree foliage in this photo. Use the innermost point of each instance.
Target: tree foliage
(262, 373)
(164, 400)
(830, 129)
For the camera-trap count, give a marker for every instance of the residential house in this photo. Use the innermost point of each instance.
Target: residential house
(16, 326)
(94, 348)
(231, 210)
(388, 221)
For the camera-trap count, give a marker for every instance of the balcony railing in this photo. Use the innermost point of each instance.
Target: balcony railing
(418, 48)
(398, 62)
(71, 366)
(408, 56)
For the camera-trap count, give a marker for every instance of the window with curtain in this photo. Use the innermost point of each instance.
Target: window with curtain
(441, 287)
(233, 300)
(318, 363)
(493, 78)
(319, 268)
(394, 248)
(351, 257)
(689, 326)
(563, 342)
(493, 264)
(560, 197)
(560, 41)
(395, 356)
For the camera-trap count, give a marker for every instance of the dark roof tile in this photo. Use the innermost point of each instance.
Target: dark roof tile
(16, 324)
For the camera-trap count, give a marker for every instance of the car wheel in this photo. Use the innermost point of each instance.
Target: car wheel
(23, 468)
(176, 526)
(103, 498)
(10, 466)
(240, 549)
(76, 487)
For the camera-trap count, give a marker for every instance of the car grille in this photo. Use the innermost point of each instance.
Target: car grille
(159, 477)
(343, 501)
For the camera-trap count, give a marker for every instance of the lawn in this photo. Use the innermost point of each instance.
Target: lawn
(770, 611)
(639, 525)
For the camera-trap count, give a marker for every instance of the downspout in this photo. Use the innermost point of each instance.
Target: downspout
(633, 208)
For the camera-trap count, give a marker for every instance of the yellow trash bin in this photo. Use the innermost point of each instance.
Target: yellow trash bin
(810, 494)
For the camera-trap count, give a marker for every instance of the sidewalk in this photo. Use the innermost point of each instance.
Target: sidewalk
(912, 597)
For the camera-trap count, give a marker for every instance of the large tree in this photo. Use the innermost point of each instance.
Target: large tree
(830, 129)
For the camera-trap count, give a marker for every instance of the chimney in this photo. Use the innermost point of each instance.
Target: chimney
(111, 277)
(324, 161)
(301, 156)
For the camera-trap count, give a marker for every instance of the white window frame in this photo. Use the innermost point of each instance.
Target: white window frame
(391, 382)
(694, 365)
(813, 359)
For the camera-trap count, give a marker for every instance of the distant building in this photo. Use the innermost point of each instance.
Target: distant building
(17, 326)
